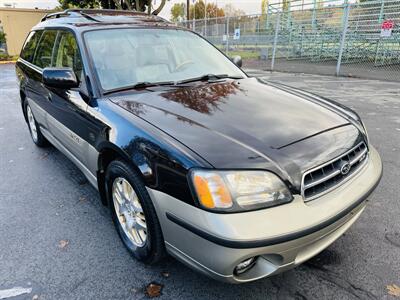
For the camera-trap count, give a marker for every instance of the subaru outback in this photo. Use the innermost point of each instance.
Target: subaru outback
(237, 177)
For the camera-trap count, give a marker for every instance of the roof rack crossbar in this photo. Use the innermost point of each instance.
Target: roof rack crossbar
(88, 17)
(68, 12)
(53, 15)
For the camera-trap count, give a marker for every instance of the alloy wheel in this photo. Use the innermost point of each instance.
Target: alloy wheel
(32, 124)
(129, 211)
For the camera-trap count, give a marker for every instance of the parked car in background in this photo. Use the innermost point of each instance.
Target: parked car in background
(237, 177)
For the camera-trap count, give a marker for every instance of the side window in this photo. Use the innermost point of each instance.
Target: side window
(44, 51)
(67, 53)
(30, 45)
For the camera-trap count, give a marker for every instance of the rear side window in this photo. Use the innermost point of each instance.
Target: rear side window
(44, 52)
(67, 53)
(30, 45)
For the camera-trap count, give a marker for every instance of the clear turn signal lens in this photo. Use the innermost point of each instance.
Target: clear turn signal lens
(239, 190)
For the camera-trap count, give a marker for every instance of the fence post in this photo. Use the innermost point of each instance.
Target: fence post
(343, 38)
(275, 40)
(381, 11)
(289, 16)
(314, 16)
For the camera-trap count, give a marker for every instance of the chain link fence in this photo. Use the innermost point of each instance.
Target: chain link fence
(323, 37)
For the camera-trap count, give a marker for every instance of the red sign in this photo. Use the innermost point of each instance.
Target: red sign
(386, 28)
(387, 25)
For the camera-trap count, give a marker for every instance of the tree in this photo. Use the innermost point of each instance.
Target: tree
(264, 7)
(286, 5)
(65, 4)
(2, 37)
(177, 12)
(213, 11)
(138, 5)
(197, 10)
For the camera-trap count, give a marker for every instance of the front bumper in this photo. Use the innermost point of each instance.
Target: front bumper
(282, 237)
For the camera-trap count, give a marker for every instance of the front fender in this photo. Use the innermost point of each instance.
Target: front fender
(162, 161)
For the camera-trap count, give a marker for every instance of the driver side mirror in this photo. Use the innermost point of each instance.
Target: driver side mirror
(63, 78)
(237, 60)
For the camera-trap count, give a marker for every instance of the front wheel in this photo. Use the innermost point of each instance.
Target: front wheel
(133, 213)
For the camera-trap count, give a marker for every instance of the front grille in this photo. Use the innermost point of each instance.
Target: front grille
(324, 178)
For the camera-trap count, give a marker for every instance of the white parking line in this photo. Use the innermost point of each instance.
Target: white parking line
(16, 291)
(364, 96)
(340, 81)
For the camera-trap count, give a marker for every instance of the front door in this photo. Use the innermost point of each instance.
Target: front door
(67, 119)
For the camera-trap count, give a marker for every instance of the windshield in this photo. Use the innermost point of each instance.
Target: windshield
(125, 57)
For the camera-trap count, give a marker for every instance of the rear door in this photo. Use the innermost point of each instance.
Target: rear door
(36, 56)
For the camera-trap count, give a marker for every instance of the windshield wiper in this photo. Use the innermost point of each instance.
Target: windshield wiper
(146, 84)
(139, 85)
(208, 77)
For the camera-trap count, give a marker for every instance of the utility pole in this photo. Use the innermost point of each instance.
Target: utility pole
(343, 37)
(187, 13)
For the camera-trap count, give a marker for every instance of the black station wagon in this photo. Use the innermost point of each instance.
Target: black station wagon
(237, 177)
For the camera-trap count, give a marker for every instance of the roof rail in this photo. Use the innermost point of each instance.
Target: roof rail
(86, 13)
(54, 15)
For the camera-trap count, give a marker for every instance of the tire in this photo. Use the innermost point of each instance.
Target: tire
(119, 176)
(34, 129)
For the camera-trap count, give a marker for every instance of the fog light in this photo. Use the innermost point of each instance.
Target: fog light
(245, 265)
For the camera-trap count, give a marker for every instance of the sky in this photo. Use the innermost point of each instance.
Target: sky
(249, 6)
(30, 3)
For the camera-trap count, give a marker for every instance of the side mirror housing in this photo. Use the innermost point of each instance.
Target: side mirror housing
(63, 78)
(237, 60)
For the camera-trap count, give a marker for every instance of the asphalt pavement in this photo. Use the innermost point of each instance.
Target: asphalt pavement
(58, 242)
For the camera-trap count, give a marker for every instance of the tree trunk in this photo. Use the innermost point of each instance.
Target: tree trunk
(149, 7)
(117, 4)
(128, 4)
(158, 10)
(137, 2)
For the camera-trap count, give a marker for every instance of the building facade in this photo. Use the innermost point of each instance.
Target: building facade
(16, 23)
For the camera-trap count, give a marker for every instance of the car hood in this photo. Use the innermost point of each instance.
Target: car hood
(244, 124)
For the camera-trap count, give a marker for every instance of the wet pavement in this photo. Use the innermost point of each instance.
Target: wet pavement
(58, 242)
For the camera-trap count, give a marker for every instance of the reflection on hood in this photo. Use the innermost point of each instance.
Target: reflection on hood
(204, 99)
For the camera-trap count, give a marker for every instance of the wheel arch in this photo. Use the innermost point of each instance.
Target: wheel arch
(109, 152)
(23, 99)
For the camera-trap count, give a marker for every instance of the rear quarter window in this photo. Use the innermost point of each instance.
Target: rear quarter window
(28, 50)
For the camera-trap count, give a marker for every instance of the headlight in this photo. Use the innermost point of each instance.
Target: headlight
(238, 190)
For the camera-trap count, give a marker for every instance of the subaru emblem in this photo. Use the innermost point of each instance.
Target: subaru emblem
(345, 168)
